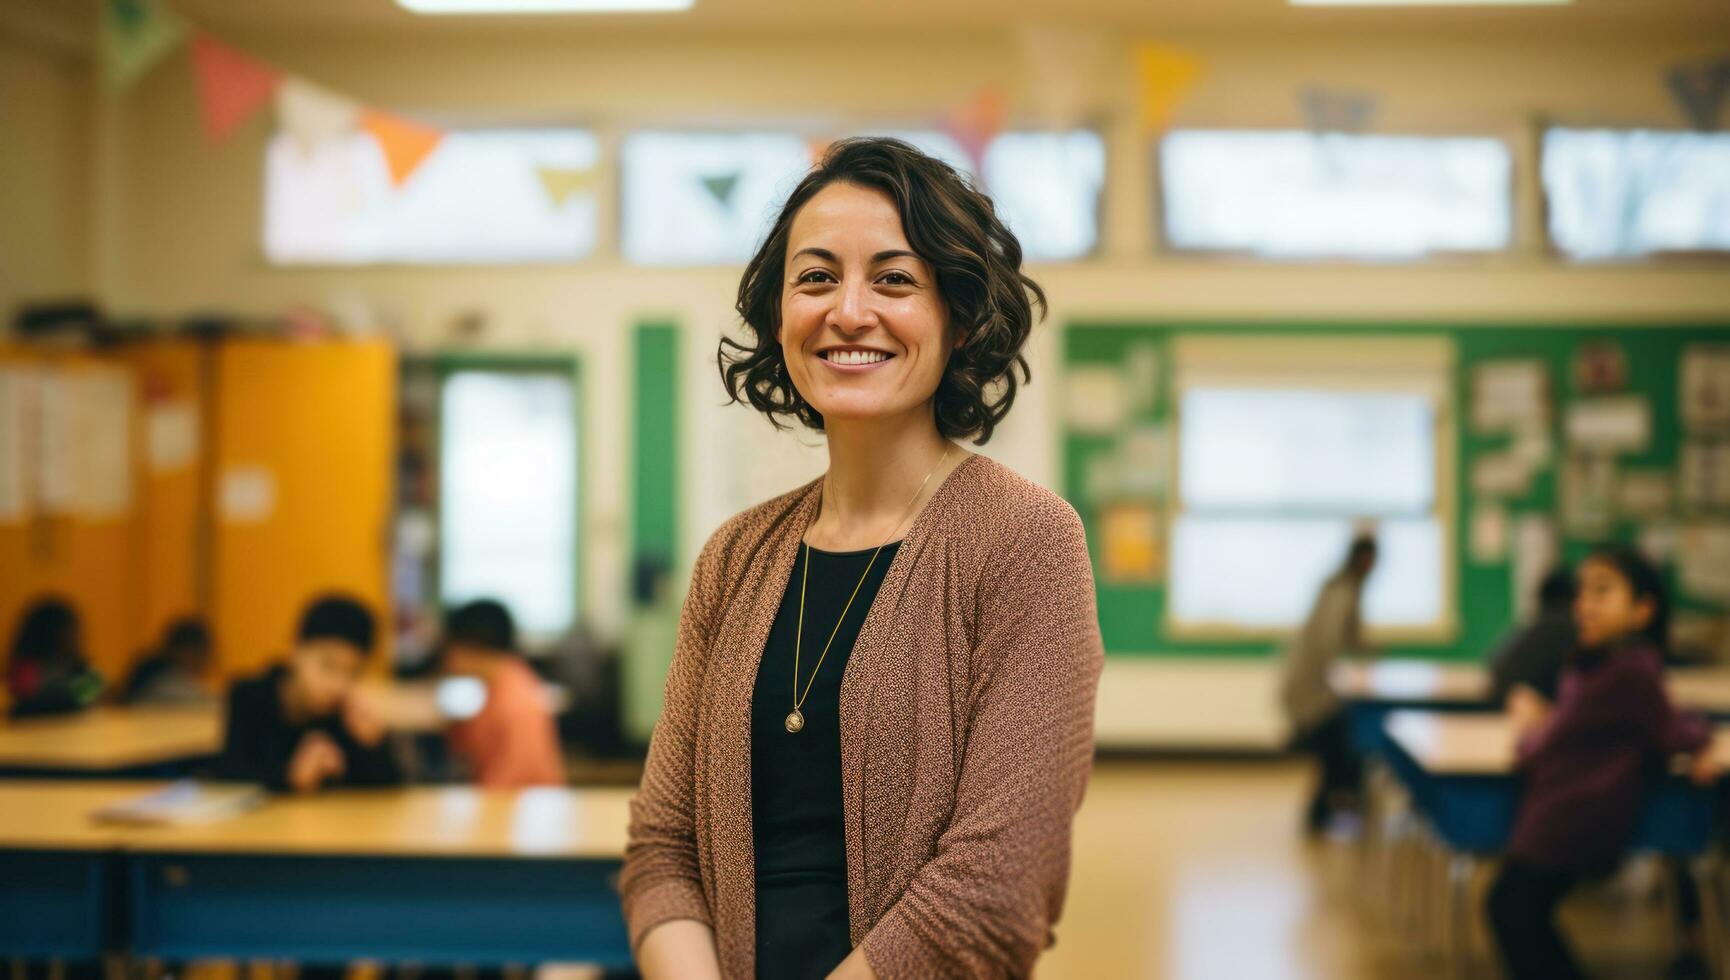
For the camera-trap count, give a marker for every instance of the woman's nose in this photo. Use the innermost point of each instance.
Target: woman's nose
(852, 311)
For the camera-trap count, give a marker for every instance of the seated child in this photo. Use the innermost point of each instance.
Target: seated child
(296, 726)
(47, 673)
(512, 741)
(1586, 761)
(174, 673)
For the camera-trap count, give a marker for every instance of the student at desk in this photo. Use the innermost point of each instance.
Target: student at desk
(1586, 761)
(174, 673)
(47, 673)
(1532, 656)
(512, 741)
(296, 726)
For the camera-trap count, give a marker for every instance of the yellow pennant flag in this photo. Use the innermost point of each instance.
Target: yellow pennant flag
(1165, 75)
(560, 182)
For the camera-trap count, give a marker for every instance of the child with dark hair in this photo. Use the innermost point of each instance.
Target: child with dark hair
(1586, 761)
(175, 672)
(298, 726)
(512, 741)
(1532, 656)
(47, 673)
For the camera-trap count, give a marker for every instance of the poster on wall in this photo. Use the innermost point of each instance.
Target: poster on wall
(1510, 396)
(1706, 389)
(1144, 461)
(1489, 533)
(1610, 425)
(1644, 493)
(1588, 490)
(1094, 400)
(1600, 368)
(1703, 479)
(1703, 560)
(1132, 543)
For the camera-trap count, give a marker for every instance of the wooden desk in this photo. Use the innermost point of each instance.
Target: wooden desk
(111, 740)
(1704, 689)
(59, 870)
(429, 875)
(1477, 744)
(1411, 682)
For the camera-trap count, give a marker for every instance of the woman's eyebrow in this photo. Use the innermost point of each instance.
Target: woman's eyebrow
(821, 253)
(893, 253)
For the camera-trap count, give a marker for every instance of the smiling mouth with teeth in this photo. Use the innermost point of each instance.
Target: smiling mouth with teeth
(854, 356)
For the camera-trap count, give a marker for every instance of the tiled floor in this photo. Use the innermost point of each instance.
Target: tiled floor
(1195, 871)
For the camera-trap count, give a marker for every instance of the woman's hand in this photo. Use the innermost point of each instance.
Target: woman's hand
(1527, 708)
(854, 967)
(679, 949)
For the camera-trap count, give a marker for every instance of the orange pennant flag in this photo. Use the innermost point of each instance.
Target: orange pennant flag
(231, 85)
(406, 144)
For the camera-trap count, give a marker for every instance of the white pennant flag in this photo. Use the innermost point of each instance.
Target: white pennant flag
(313, 115)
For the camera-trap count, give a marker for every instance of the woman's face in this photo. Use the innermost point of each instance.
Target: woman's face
(863, 328)
(1606, 608)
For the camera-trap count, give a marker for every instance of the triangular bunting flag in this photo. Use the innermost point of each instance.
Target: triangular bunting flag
(136, 34)
(561, 183)
(976, 124)
(1700, 90)
(1165, 75)
(720, 187)
(313, 115)
(406, 144)
(231, 85)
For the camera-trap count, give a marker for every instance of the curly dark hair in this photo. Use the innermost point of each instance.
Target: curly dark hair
(977, 262)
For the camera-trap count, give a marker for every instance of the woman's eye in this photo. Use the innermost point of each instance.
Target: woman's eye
(815, 275)
(897, 279)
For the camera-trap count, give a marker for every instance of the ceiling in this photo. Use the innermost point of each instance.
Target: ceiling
(1701, 19)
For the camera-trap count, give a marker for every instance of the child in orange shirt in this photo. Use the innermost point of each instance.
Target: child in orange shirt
(512, 741)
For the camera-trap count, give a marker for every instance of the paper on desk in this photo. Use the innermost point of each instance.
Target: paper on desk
(184, 802)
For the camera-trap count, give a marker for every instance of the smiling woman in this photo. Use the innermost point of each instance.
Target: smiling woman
(898, 801)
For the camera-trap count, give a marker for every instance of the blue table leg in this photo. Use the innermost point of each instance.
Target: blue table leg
(55, 904)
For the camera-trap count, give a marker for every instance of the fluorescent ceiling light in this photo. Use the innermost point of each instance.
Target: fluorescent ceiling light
(544, 6)
(1429, 3)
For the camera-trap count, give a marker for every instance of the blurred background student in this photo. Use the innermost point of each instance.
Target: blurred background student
(513, 740)
(1532, 655)
(1334, 629)
(47, 673)
(297, 726)
(1587, 762)
(175, 672)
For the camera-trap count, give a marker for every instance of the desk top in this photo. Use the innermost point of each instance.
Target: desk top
(55, 814)
(457, 821)
(1456, 744)
(112, 738)
(424, 821)
(1411, 680)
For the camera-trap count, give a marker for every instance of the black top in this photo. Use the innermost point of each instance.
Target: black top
(1533, 655)
(802, 922)
(260, 741)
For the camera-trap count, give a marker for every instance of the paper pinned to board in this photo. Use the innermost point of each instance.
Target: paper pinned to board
(246, 494)
(1510, 395)
(1144, 461)
(1489, 533)
(1610, 425)
(1094, 400)
(1703, 560)
(1706, 389)
(1703, 478)
(1644, 493)
(1588, 495)
(171, 436)
(1501, 475)
(1132, 543)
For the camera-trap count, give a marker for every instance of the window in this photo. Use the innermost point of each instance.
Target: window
(704, 198)
(1285, 448)
(482, 197)
(709, 198)
(1046, 185)
(1617, 194)
(1294, 194)
(508, 493)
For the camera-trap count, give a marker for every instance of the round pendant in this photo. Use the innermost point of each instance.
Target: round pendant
(795, 721)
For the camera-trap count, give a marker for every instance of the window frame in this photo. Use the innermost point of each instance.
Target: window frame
(518, 363)
(1342, 363)
(1667, 258)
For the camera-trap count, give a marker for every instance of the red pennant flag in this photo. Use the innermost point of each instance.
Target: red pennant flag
(231, 86)
(406, 144)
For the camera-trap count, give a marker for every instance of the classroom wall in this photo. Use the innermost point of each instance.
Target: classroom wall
(190, 238)
(46, 99)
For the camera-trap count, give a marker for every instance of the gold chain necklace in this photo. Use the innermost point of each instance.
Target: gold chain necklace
(796, 718)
